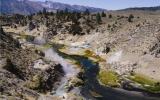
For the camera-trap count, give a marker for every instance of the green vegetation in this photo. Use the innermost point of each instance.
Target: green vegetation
(106, 50)
(87, 12)
(147, 83)
(98, 18)
(28, 38)
(89, 53)
(103, 14)
(1, 29)
(31, 26)
(130, 18)
(44, 11)
(14, 69)
(47, 45)
(76, 28)
(66, 11)
(109, 16)
(142, 79)
(108, 78)
(35, 83)
(77, 63)
(109, 26)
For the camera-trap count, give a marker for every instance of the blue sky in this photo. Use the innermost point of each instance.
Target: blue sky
(111, 4)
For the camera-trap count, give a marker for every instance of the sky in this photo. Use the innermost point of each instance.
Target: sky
(111, 4)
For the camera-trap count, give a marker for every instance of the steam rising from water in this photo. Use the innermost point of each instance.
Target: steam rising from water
(115, 57)
(68, 68)
(39, 40)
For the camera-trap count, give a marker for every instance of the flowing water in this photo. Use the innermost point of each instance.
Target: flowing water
(91, 83)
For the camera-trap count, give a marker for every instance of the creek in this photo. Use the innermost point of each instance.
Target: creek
(91, 83)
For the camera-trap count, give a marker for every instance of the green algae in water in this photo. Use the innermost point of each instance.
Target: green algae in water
(29, 38)
(108, 78)
(46, 46)
(148, 84)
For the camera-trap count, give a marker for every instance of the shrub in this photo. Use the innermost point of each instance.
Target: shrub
(86, 12)
(18, 71)
(110, 16)
(31, 26)
(147, 83)
(98, 18)
(130, 18)
(29, 38)
(36, 83)
(75, 29)
(109, 26)
(1, 30)
(103, 14)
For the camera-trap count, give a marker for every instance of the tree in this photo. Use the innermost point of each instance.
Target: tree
(130, 18)
(87, 12)
(75, 29)
(103, 14)
(110, 16)
(98, 18)
(66, 11)
(39, 13)
(51, 13)
(61, 12)
(31, 26)
(29, 17)
(76, 15)
(44, 11)
(57, 14)
(1, 30)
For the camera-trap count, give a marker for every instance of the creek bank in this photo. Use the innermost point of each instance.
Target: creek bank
(132, 91)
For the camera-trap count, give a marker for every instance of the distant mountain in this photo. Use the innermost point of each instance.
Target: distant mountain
(145, 8)
(61, 6)
(29, 7)
(19, 6)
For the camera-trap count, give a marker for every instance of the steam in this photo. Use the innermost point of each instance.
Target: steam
(68, 68)
(115, 57)
(39, 41)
